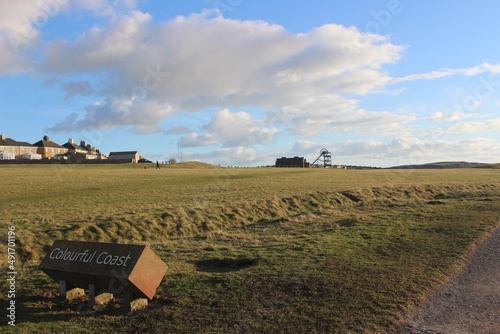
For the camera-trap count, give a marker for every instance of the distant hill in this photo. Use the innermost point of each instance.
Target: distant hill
(492, 166)
(447, 164)
(193, 165)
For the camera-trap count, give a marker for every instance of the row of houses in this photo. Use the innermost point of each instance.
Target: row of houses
(11, 149)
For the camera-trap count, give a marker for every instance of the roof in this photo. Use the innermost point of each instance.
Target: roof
(128, 155)
(12, 142)
(74, 147)
(47, 143)
(124, 153)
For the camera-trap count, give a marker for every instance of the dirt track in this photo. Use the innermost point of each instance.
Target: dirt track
(469, 302)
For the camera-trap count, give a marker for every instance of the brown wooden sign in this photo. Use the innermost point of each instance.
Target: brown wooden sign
(117, 268)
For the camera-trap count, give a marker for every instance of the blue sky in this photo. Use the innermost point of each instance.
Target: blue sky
(242, 82)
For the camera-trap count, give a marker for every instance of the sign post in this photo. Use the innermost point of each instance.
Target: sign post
(132, 271)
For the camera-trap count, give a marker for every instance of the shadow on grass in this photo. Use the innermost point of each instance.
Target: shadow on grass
(40, 309)
(224, 265)
(349, 222)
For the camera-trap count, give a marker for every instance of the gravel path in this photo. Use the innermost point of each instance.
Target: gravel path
(469, 303)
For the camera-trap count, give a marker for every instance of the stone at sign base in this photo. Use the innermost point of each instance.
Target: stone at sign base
(133, 303)
(103, 298)
(74, 293)
(137, 304)
(98, 298)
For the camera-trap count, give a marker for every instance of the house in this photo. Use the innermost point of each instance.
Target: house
(74, 148)
(48, 148)
(83, 151)
(11, 149)
(128, 156)
(89, 148)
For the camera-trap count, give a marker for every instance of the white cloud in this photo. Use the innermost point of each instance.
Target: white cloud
(78, 87)
(225, 156)
(331, 113)
(406, 150)
(21, 24)
(178, 130)
(432, 150)
(113, 48)
(231, 130)
(204, 61)
(492, 125)
(106, 8)
(359, 148)
(19, 31)
(305, 147)
(472, 71)
(452, 116)
(481, 124)
(197, 140)
(116, 113)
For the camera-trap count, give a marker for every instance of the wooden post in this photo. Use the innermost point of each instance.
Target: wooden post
(62, 289)
(91, 301)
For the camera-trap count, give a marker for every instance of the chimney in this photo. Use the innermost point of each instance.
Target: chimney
(2, 136)
(71, 141)
(82, 143)
(46, 138)
(89, 147)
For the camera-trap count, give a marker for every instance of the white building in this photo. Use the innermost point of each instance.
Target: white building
(31, 156)
(4, 155)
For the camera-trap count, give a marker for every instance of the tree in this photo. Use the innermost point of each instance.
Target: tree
(172, 161)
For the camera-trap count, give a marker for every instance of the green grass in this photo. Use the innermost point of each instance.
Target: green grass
(251, 250)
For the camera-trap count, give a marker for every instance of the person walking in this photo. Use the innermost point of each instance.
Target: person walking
(157, 165)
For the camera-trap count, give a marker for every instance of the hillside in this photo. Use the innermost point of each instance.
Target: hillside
(193, 165)
(492, 166)
(443, 164)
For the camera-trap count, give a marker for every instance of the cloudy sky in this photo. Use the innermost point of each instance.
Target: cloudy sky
(242, 82)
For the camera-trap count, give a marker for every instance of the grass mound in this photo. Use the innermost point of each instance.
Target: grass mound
(201, 220)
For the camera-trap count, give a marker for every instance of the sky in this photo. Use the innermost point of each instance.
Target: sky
(243, 82)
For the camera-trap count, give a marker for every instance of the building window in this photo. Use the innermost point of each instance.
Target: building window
(31, 150)
(14, 150)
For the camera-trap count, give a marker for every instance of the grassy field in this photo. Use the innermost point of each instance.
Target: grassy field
(249, 250)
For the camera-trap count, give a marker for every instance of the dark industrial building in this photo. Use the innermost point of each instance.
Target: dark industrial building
(295, 162)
